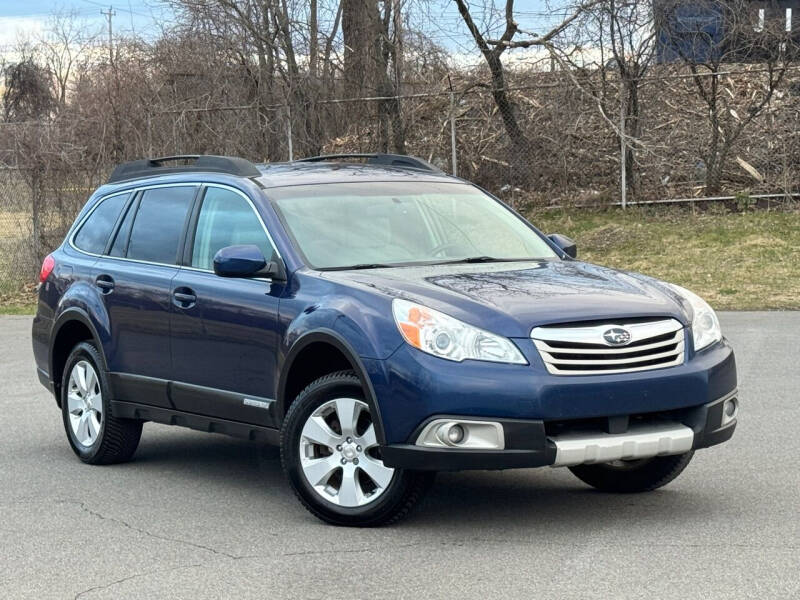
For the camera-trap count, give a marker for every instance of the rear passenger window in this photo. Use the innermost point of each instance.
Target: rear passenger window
(226, 219)
(94, 233)
(159, 222)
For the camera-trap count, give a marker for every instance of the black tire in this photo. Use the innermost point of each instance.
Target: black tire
(396, 500)
(634, 477)
(117, 439)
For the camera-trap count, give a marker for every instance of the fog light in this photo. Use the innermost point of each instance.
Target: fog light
(455, 434)
(729, 410)
(450, 434)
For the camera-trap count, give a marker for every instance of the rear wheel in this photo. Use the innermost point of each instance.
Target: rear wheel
(95, 435)
(331, 456)
(632, 476)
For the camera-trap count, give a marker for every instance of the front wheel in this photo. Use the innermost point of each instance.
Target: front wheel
(632, 476)
(331, 456)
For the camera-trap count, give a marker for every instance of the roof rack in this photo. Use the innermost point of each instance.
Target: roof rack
(392, 160)
(150, 167)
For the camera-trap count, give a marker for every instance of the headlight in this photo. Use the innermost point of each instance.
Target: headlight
(705, 325)
(443, 336)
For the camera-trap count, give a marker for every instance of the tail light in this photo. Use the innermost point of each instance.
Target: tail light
(48, 265)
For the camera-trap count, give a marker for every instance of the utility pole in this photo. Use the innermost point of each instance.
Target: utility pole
(108, 14)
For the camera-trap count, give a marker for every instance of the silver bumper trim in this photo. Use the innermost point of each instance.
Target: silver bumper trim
(643, 441)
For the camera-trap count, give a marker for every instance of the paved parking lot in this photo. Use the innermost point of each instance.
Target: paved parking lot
(205, 516)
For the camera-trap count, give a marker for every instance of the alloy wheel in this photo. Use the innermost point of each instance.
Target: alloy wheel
(339, 454)
(84, 403)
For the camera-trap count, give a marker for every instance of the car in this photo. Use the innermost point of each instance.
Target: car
(377, 319)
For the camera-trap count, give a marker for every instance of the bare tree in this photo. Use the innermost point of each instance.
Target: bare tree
(361, 28)
(64, 43)
(493, 49)
(371, 39)
(313, 38)
(629, 26)
(609, 55)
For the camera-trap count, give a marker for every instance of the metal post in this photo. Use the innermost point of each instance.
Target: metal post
(623, 146)
(149, 134)
(289, 132)
(453, 132)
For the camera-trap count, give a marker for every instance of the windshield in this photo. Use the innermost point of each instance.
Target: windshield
(347, 225)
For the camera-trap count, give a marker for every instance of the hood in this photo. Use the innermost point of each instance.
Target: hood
(512, 298)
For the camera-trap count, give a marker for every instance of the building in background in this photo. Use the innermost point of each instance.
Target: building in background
(724, 30)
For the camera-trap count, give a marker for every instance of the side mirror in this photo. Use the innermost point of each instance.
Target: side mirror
(247, 261)
(275, 270)
(567, 245)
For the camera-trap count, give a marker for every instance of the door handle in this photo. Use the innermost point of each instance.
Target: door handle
(184, 297)
(105, 283)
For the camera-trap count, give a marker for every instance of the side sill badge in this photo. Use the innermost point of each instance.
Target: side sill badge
(257, 403)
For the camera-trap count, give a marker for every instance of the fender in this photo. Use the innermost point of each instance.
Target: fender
(84, 297)
(75, 313)
(336, 340)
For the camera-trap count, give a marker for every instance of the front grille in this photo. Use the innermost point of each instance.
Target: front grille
(583, 350)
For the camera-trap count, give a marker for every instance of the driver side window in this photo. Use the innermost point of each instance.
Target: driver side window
(226, 219)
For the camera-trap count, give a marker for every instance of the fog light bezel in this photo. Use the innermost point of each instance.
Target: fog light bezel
(478, 435)
(726, 418)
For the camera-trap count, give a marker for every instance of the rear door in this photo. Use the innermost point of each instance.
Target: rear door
(224, 330)
(134, 278)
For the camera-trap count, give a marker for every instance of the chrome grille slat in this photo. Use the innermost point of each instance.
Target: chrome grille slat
(555, 371)
(545, 347)
(618, 361)
(582, 350)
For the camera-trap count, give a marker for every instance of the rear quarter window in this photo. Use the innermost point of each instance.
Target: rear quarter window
(94, 233)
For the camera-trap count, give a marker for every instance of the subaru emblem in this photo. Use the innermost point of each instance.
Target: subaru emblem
(617, 336)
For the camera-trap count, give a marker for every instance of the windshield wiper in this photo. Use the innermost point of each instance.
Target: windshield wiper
(468, 260)
(483, 259)
(360, 266)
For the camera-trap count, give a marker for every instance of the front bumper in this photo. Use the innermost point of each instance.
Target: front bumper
(537, 443)
(411, 387)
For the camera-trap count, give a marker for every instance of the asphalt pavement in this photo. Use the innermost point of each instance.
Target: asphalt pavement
(205, 516)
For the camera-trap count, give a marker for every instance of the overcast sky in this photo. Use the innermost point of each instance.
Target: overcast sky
(440, 18)
(30, 16)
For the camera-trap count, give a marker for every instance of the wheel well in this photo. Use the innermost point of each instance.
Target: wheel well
(314, 361)
(70, 335)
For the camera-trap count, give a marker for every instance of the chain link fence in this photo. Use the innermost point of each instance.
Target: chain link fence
(17, 254)
(37, 207)
(557, 145)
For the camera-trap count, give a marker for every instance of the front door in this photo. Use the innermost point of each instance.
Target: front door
(224, 330)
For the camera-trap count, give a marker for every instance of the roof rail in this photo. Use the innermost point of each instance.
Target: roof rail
(150, 167)
(392, 160)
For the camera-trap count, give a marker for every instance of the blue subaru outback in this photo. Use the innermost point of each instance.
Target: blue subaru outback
(377, 319)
